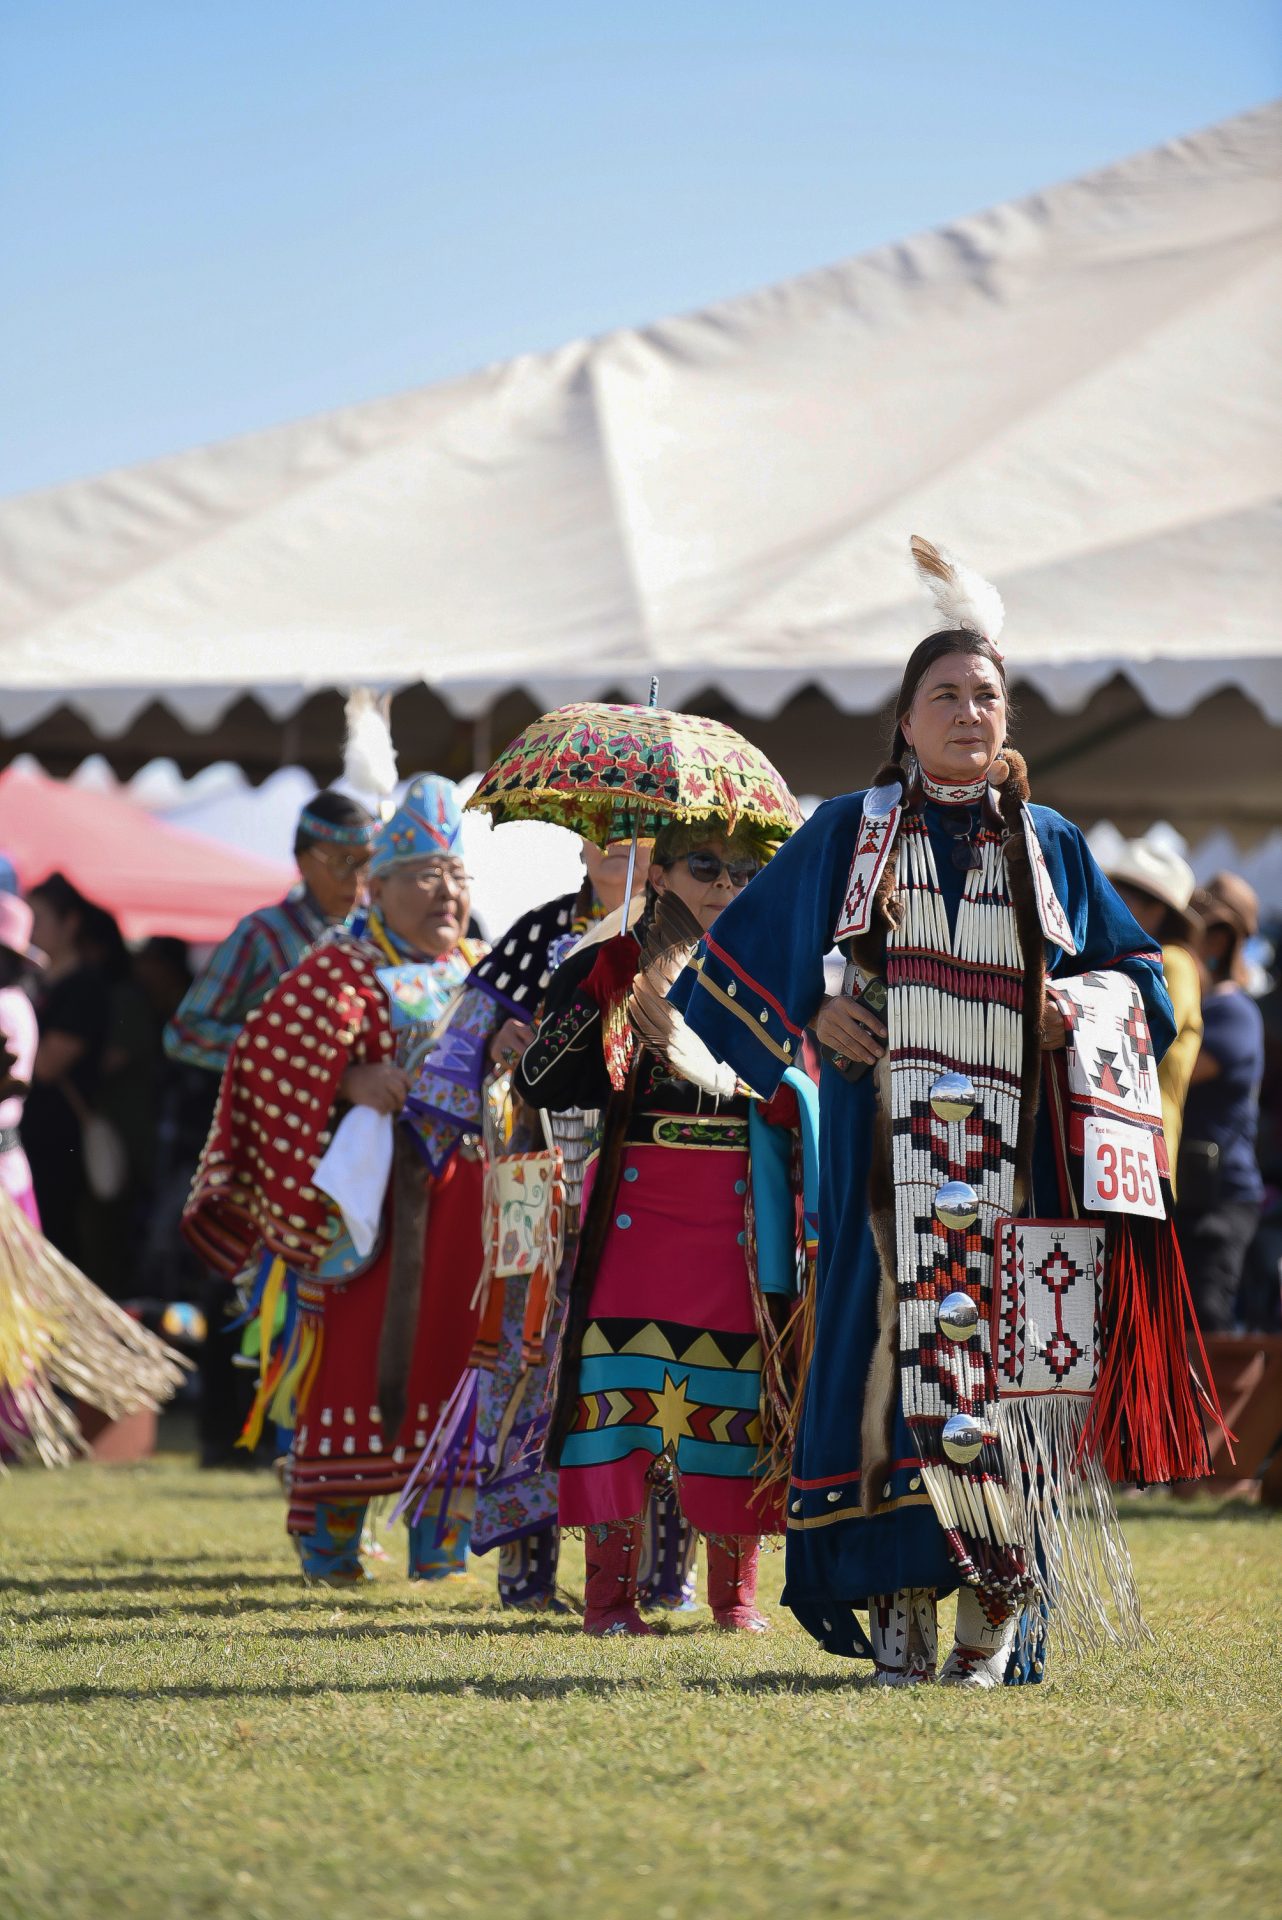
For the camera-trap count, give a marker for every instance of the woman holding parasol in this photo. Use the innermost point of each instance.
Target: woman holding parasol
(460, 1094)
(978, 934)
(689, 1259)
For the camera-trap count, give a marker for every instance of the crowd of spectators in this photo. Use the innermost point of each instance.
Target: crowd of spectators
(1227, 1171)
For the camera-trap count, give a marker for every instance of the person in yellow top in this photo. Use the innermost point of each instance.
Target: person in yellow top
(1157, 886)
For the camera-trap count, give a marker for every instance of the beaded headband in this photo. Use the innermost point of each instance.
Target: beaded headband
(361, 834)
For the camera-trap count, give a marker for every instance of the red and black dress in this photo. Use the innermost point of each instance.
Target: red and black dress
(277, 1108)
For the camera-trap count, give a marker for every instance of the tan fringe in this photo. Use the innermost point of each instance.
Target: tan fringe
(1064, 1507)
(784, 1353)
(60, 1335)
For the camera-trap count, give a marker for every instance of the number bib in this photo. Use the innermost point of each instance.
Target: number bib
(1120, 1172)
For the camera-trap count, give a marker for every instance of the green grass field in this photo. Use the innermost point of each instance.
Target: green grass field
(186, 1730)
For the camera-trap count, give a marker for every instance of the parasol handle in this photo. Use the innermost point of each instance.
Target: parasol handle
(636, 824)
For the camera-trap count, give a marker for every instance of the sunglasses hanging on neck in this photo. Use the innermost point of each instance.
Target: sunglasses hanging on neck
(964, 853)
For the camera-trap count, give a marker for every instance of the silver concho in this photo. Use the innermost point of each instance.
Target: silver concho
(957, 1316)
(962, 1438)
(956, 1205)
(953, 1096)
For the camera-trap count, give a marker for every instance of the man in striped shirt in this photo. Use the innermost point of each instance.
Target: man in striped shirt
(332, 849)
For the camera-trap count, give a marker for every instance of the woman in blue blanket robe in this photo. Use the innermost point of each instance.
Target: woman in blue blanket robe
(756, 988)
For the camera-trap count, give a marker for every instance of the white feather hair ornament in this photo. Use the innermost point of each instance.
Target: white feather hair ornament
(963, 598)
(369, 758)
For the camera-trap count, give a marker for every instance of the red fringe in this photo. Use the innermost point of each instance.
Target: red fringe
(609, 983)
(1147, 1416)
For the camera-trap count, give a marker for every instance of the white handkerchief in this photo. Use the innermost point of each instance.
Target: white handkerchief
(355, 1170)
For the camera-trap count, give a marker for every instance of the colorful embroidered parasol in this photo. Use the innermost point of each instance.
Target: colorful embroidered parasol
(607, 772)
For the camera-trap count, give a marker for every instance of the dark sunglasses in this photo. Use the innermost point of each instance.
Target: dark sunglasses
(706, 867)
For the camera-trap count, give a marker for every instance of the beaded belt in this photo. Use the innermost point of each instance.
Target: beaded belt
(676, 1130)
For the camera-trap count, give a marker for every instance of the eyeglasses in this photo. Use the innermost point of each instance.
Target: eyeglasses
(706, 866)
(343, 865)
(433, 878)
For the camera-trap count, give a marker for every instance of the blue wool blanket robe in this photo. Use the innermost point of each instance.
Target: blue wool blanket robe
(754, 988)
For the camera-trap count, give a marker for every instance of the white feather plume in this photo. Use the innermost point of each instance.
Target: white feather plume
(369, 758)
(694, 1060)
(963, 598)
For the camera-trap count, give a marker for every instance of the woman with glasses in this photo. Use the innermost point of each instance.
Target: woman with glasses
(687, 1268)
(342, 1029)
(331, 851)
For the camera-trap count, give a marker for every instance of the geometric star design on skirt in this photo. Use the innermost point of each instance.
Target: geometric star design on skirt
(672, 1410)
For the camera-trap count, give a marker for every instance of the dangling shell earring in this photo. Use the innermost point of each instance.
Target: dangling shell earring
(999, 772)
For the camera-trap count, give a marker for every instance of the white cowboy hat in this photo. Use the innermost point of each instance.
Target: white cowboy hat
(1155, 870)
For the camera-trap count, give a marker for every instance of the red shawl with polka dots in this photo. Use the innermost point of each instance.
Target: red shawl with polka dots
(276, 1106)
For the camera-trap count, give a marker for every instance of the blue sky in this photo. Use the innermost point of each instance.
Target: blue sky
(218, 216)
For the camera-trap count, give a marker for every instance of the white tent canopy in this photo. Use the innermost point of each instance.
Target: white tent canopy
(1079, 391)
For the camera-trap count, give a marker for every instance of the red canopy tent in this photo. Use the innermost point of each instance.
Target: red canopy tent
(156, 879)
